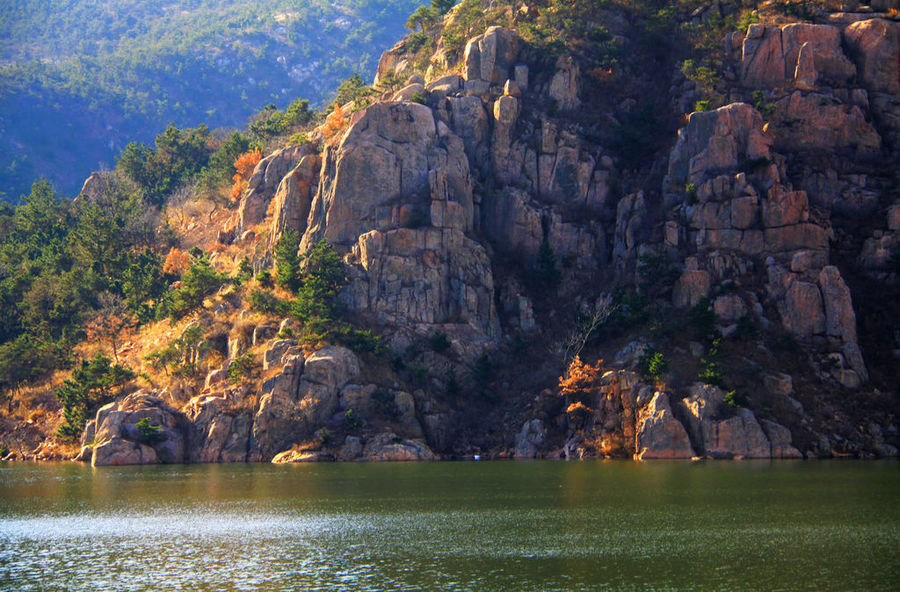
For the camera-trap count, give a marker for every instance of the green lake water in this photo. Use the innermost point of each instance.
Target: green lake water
(823, 525)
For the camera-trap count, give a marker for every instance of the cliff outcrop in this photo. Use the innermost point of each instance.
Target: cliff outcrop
(487, 206)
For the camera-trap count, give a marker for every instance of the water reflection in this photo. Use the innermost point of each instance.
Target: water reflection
(451, 526)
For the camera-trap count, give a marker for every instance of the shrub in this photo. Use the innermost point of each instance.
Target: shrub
(323, 277)
(200, 281)
(385, 405)
(265, 301)
(690, 191)
(287, 274)
(546, 274)
(243, 166)
(652, 364)
(353, 422)
(92, 384)
(149, 433)
(578, 414)
(734, 400)
(264, 278)
(240, 367)
(703, 320)
(439, 342)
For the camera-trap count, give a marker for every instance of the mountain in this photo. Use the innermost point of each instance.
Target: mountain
(559, 230)
(79, 80)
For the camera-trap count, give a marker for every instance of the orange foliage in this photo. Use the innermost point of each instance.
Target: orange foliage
(578, 413)
(177, 262)
(580, 379)
(244, 166)
(334, 122)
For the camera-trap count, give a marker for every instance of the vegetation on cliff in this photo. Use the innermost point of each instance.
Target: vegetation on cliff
(442, 261)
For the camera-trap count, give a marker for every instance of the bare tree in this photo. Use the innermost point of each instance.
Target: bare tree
(591, 317)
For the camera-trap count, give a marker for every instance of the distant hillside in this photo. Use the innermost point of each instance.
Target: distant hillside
(78, 80)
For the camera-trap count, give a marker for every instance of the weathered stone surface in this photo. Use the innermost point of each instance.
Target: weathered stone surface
(506, 109)
(117, 440)
(265, 180)
(779, 440)
(388, 447)
(565, 86)
(762, 59)
(795, 237)
(293, 198)
(272, 357)
(470, 121)
(690, 288)
(840, 320)
(409, 92)
(418, 278)
(801, 311)
(723, 437)
(814, 121)
(302, 456)
(380, 168)
(445, 85)
(744, 212)
(717, 141)
(779, 384)
(490, 56)
(529, 440)
(729, 308)
(783, 208)
(875, 46)
(822, 45)
(218, 433)
(326, 371)
(392, 62)
(659, 435)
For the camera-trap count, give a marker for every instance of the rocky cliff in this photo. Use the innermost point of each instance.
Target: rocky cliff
(484, 211)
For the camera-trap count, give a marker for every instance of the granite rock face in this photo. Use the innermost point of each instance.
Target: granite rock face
(659, 435)
(116, 439)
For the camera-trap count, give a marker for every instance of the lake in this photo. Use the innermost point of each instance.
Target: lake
(542, 525)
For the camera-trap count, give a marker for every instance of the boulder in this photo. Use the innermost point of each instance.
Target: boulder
(717, 141)
(490, 56)
(762, 58)
(819, 46)
(388, 447)
(658, 434)
(506, 109)
(529, 439)
(218, 432)
(409, 92)
(262, 184)
(302, 456)
(875, 46)
(326, 371)
(720, 436)
(118, 441)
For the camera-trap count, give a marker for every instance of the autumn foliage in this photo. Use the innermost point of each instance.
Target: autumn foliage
(334, 122)
(177, 262)
(243, 167)
(580, 380)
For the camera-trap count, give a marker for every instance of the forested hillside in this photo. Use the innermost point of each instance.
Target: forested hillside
(79, 80)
